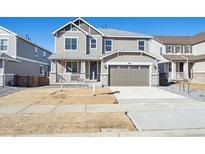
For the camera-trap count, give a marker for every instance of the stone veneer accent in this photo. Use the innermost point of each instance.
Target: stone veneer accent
(154, 79)
(104, 79)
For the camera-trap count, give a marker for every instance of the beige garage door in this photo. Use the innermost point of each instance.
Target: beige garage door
(129, 75)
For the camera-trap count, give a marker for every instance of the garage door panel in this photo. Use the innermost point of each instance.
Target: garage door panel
(129, 76)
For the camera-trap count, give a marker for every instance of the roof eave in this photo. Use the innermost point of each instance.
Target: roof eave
(146, 37)
(8, 31)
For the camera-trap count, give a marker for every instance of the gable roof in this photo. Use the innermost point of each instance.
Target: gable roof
(8, 30)
(187, 40)
(24, 39)
(67, 25)
(174, 39)
(7, 57)
(138, 51)
(88, 24)
(108, 32)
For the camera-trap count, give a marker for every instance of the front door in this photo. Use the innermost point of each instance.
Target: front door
(93, 70)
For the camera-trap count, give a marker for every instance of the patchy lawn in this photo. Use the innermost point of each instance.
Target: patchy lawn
(195, 85)
(47, 96)
(48, 123)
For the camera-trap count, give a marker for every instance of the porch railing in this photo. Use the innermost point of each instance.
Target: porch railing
(89, 76)
(179, 75)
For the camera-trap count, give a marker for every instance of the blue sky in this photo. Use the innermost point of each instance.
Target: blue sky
(40, 29)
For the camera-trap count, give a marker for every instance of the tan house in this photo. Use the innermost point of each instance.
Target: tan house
(112, 57)
(186, 55)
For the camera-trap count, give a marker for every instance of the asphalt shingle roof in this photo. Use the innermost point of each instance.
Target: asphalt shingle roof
(121, 33)
(181, 39)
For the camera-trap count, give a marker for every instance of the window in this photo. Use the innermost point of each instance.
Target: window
(141, 45)
(36, 52)
(169, 49)
(93, 44)
(161, 51)
(187, 49)
(108, 45)
(71, 43)
(4, 43)
(178, 49)
(44, 56)
(72, 67)
(41, 70)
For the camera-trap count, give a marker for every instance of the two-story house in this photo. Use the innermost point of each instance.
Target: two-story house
(186, 55)
(19, 56)
(113, 57)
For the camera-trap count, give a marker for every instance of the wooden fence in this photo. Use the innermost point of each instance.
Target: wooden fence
(30, 81)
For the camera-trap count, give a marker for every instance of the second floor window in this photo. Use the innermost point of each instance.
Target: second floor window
(36, 52)
(169, 49)
(4, 44)
(44, 55)
(178, 49)
(141, 45)
(71, 43)
(108, 45)
(161, 51)
(93, 44)
(72, 67)
(187, 49)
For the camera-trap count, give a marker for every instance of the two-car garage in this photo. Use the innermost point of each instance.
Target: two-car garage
(131, 68)
(129, 75)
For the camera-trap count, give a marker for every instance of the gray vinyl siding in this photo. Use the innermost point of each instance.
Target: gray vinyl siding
(81, 42)
(12, 42)
(98, 50)
(123, 44)
(27, 50)
(24, 68)
(126, 57)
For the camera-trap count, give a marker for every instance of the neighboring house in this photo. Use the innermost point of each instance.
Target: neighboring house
(19, 56)
(113, 57)
(186, 55)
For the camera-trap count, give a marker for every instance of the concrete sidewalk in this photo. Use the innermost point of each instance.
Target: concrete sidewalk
(158, 133)
(128, 107)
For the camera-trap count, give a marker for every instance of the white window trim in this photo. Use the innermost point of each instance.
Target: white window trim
(105, 45)
(170, 49)
(71, 68)
(71, 38)
(91, 43)
(180, 50)
(43, 70)
(139, 46)
(7, 45)
(36, 51)
(44, 55)
(189, 49)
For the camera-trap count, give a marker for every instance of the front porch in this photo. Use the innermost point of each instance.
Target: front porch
(74, 71)
(180, 70)
(6, 79)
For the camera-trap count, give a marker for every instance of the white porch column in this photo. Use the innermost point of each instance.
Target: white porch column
(3, 73)
(82, 70)
(173, 70)
(186, 71)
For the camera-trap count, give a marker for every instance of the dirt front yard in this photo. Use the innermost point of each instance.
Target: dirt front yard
(49, 96)
(49, 123)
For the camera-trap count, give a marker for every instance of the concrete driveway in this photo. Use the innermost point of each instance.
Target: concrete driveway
(142, 94)
(157, 109)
